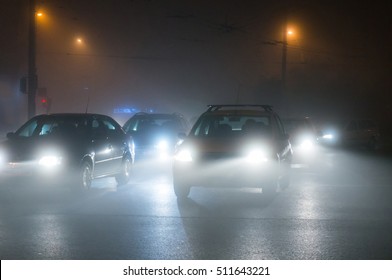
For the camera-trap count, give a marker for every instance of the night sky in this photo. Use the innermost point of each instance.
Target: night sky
(179, 56)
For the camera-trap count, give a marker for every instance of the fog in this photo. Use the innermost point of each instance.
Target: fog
(179, 56)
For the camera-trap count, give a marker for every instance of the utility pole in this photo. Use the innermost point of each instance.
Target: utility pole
(284, 55)
(32, 79)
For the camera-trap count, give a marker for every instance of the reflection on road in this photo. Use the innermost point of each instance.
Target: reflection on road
(337, 207)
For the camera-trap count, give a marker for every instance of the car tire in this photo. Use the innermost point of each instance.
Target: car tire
(181, 189)
(85, 176)
(125, 174)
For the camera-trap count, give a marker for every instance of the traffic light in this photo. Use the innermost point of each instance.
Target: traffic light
(45, 103)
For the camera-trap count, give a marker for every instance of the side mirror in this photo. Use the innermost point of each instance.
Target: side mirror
(10, 135)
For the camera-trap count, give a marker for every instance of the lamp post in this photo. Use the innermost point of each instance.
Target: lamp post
(287, 32)
(32, 80)
(284, 58)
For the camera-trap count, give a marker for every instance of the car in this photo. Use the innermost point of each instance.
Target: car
(234, 146)
(155, 134)
(352, 132)
(68, 147)
(303, 134)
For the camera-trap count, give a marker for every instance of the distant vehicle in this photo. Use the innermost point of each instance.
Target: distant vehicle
(355, 132)
(155, 135)
(234, 146)
(79, 147)
(302, 132)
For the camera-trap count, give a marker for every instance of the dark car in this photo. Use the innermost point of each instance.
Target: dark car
(79, 147)
(154, 134)
(353, 132)
(303, 134)
(234, 146)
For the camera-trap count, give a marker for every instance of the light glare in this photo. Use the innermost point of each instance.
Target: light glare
(163, 145)
(50, 161)
(307, 144)
(184, 155)
(328, 136)
(257, 155)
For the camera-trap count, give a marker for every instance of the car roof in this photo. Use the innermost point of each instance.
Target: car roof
(65, 115)
(238, 112)
(239, 109)
(217, 107)
(156, 115)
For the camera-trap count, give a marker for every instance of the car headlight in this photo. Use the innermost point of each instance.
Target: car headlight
(50, 161)
(328, 136)
(163, 145)
(2, 157)
(306, 144)
(256, 156)
(184, 155)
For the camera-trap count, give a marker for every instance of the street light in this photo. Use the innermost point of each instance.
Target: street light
(284, 57)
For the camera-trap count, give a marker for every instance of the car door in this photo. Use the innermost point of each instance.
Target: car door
(117, 143)
(101, 147)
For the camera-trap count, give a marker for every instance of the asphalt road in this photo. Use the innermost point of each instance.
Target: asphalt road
(337, 207)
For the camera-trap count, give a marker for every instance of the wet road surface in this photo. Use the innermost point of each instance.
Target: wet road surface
(338, 206)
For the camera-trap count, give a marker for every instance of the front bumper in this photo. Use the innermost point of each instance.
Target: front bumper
(226, 173)
(32, 171)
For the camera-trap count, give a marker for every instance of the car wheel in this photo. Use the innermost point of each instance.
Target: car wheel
(85, 176)
(125, 174)
(181, 189)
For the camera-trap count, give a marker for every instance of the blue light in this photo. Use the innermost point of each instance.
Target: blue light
(125, 110)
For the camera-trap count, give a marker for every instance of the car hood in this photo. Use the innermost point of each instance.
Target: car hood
(229, 146)
(21, 149)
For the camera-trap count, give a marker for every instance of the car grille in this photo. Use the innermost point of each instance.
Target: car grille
(215, 156)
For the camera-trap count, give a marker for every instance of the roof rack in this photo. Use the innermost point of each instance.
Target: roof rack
(141, 113)
(217, 107)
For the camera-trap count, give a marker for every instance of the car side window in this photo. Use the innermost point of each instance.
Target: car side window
(28, 129)
(111, 126)
(98, 129)
(45, 129)
(280, 126)
(131, 125)
(202, 127)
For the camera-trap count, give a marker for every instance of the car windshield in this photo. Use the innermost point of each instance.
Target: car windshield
(153, 123)
(231, 125)
(52, 126)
